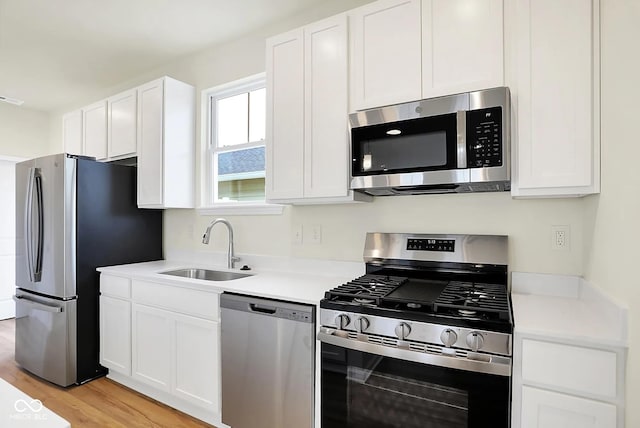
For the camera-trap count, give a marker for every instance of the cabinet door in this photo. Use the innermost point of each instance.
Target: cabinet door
(152, 345)
(386, 53)
(285, 116)
(326, 142)
(557, 152)
(95, 130)
(115, 334)
(72, 132)
(197, 361)
(122, 124)
(462, 46)
(546, 409)
(150, 144)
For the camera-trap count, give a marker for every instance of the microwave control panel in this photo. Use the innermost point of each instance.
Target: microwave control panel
(484, 137)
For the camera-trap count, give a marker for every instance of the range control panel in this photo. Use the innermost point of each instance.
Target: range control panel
(484, 137)
(415, 244)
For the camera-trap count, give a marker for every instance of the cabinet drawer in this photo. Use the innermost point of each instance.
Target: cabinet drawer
(201, 304)
(115, 286)
(583, 370)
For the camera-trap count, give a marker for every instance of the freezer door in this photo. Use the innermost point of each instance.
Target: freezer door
(45, 225)
(46, 337)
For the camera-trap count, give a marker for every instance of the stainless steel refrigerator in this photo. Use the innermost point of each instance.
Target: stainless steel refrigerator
(73, 215)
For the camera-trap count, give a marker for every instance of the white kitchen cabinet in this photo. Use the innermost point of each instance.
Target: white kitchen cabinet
(151, 346)
(115, 323)
(115, 334)
(556, 97)
(94, 136)
(163, 341)
(546, 409)
(122, 118)
(387, 52)
(405, 50)
(197, 360)
(307, 109)
(72, 132)
(462, 46)
(285, 116)
(166, 144)
(568, 366)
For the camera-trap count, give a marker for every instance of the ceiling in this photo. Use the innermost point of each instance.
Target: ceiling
(54, 51)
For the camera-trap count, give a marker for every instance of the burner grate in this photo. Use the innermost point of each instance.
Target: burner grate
(367, 289)
(471, 298)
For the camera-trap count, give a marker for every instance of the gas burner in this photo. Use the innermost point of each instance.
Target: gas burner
(467, 312)
(412, 305)
(363, 301)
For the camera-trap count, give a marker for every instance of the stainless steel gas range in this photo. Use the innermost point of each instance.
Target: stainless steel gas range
(423, 340)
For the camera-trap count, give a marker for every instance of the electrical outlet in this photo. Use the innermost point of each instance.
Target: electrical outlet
(316, 234)
(560, 237)
(296, 237)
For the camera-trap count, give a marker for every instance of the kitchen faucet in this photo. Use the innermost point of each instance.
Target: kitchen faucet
(231, 258)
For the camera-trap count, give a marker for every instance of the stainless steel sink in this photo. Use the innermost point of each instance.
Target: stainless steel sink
(206, 274)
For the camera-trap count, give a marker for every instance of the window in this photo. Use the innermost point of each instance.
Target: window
(235, 172)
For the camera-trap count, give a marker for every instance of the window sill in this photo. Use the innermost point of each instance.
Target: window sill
(242, 209)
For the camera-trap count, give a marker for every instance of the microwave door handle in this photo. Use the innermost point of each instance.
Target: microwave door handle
(461, 141)
(40, 222)
(28, 223)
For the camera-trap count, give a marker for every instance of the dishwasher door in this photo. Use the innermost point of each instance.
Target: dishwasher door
(268, 355)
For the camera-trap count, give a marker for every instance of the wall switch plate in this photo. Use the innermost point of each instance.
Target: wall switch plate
(560, 237)
(296, 235)
(315, 235)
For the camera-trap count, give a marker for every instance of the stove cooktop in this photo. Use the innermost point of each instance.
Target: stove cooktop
(447, 302)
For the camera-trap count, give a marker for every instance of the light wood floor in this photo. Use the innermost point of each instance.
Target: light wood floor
(99, 403)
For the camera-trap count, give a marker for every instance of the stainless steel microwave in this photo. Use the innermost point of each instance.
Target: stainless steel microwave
(451, 144)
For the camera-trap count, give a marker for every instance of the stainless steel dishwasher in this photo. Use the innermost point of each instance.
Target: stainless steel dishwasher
(268, 355)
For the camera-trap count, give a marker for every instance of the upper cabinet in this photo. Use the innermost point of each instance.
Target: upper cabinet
(462, 46)
(94, 136)
(307, 109)
(386, 57)
(72, 132)
(411, 49)
(166, 149)
(555, 88)
(154, 122)
(122, 134)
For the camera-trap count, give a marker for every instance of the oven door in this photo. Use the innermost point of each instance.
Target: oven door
(372, 390)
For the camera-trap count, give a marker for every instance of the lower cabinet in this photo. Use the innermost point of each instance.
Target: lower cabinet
(163, 341)
(560, 385)
(115, 334)
(151, 350)
(546, 409)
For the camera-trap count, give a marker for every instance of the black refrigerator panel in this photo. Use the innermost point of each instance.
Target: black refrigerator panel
(111, 230)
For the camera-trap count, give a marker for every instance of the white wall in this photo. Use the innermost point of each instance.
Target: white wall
(24, 132)
(612, 219)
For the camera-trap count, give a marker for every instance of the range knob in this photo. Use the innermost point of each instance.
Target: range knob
(402, 330)
(475, 341)
(448, 337)
(362, 324)
(342, 321)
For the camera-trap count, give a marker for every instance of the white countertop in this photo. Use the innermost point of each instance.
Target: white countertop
(297, 287)
(17, 410)
(566, 308)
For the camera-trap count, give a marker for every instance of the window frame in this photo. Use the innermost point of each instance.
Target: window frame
(208, 204)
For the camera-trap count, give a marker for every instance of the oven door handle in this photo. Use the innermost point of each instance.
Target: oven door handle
(496, 365)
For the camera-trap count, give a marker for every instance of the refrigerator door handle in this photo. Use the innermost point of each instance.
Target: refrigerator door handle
(28, 212)
(37, 305)
(37, 272)
(34, 266)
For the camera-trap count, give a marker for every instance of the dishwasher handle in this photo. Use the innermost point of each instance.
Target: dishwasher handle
(268, 307)
(255, 307)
